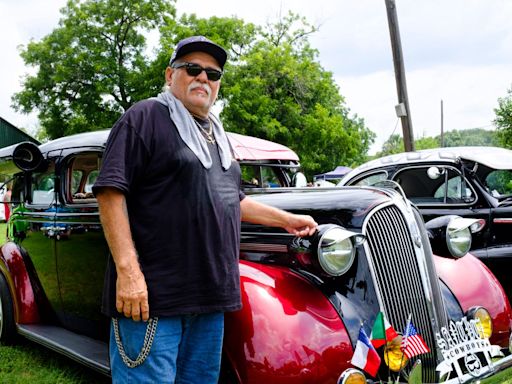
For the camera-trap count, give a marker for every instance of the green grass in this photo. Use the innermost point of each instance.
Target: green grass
(3, 228)
(28, 363)
(504, 377)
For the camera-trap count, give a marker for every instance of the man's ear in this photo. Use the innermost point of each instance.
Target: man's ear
(168, 75)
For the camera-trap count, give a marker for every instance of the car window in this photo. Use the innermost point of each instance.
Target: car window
(499, 182)
(250, 175)
(454, 191)
(445, 187)
(76, 177)
(82, 171)
(42, 187)
(371, 179)
(260, 176)
(269, 179)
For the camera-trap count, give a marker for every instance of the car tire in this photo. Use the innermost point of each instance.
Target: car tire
(7, 324)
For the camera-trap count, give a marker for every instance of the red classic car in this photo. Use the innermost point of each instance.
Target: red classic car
(305, 301)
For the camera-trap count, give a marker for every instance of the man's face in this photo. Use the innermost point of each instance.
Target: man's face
(197, 93)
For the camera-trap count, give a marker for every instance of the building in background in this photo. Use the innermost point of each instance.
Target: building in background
(9, 134)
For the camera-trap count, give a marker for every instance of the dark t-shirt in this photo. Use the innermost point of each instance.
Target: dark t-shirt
(184, 218)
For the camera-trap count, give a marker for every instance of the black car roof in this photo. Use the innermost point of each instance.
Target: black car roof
(492, 157)
(80, 140)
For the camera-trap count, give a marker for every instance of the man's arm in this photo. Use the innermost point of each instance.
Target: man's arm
(258, 213)
(131, 289)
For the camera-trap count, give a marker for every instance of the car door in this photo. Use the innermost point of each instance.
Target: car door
(442, 189)
(32, 226)
(82, 251)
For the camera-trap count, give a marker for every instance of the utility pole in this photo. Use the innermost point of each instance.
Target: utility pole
(442, 124)
(402, 109)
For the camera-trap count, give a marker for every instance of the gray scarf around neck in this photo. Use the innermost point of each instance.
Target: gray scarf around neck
(192, 136)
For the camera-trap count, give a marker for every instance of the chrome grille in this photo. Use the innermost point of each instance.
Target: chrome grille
(398, 278)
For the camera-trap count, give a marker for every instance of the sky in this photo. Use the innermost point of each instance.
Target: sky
(457, 51)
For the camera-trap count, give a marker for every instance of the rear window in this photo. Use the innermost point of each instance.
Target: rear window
(499, 183)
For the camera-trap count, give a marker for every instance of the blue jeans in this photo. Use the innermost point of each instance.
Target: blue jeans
(186, 350)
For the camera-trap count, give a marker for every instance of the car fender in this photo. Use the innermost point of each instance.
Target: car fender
(287, 331)
(473, 284)
(13, 267)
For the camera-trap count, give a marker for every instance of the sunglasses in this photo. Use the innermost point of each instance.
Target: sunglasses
(195, 69)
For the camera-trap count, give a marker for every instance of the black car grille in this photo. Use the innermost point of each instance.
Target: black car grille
(399, 280)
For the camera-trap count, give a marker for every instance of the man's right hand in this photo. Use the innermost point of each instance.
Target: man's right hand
(132, 294)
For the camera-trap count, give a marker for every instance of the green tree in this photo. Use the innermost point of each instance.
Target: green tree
(92, 66)
(279, 91)
(503, 120)
(469, 137)
(394, 144)
(455, 138)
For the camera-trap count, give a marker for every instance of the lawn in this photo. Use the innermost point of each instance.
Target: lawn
(504, 377)
(29, 363)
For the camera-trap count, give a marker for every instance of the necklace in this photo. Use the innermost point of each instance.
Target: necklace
(208, 134)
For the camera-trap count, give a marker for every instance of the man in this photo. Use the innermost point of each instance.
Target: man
(170, 204)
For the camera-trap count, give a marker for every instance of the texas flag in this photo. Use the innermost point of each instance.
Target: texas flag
(365, 355)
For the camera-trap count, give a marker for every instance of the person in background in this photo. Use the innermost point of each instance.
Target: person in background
(171, 205)
(6, 202)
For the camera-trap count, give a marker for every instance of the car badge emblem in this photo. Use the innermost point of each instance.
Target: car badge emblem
(464, 349)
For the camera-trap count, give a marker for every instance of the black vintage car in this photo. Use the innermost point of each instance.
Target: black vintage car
(304, 300)
(473, 182)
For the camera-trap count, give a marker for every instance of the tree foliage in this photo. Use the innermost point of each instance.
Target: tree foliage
(94, 66)
(280, 92)
(503, 120)
(456, 138)
(91, 67)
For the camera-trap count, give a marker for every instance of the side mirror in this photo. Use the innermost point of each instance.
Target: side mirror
(27, 157)
(450, 236)
(24, 157)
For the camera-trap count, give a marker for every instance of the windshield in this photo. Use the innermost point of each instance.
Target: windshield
(499, 183)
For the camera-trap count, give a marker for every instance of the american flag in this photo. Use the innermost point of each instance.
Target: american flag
(412, 343)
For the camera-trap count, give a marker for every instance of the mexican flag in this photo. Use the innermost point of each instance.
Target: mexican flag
(382, 331)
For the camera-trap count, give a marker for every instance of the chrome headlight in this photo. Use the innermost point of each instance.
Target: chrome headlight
(352, 376)
(337, 249)
(458, 236)
(450, 236)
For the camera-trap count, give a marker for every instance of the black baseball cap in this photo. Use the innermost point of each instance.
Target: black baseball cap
(199, 44)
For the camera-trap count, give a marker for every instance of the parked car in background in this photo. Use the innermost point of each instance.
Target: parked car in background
(473, 182)
(305, 300)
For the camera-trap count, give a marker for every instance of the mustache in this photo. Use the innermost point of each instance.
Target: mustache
(197, 84)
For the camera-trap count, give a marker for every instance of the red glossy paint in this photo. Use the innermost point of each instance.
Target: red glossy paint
(287, 332)
(24, 300)
(474, 285)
